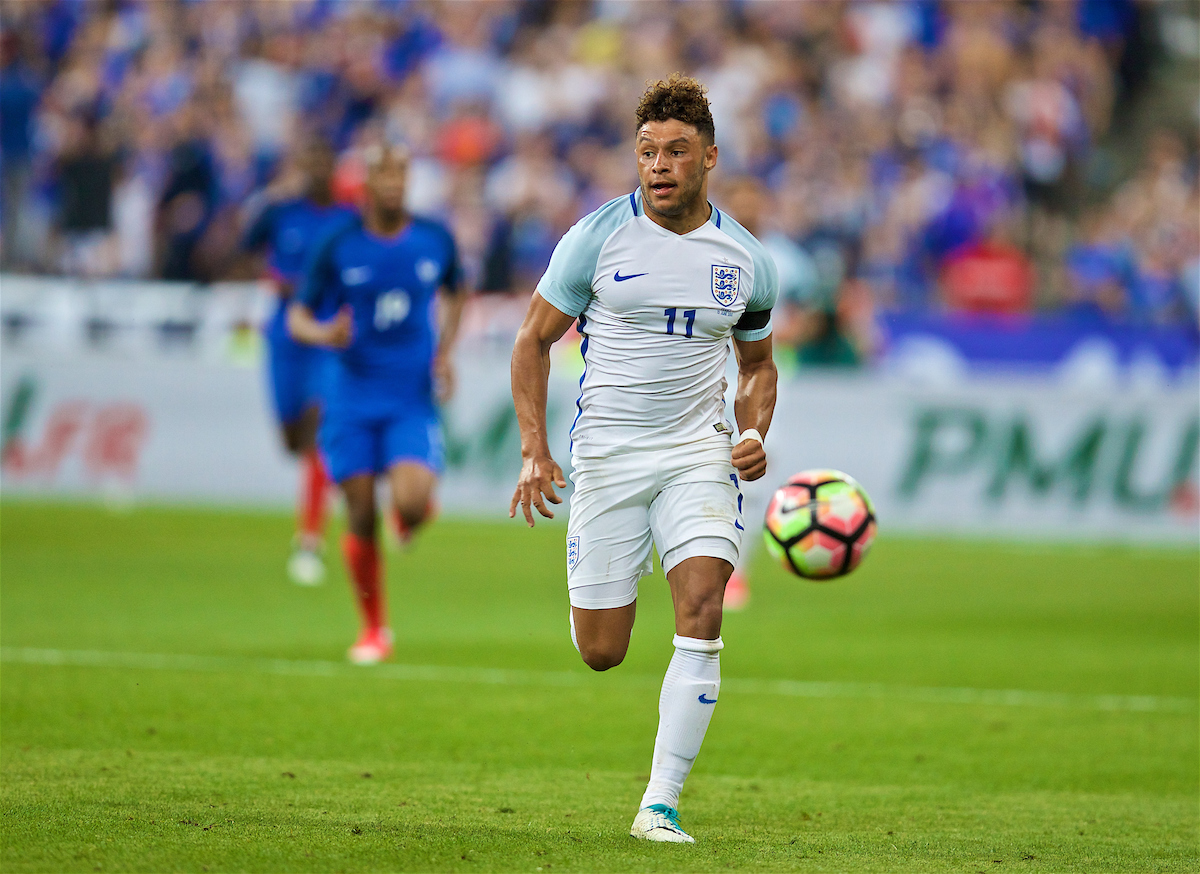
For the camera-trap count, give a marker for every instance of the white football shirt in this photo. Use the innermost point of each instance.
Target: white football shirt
(656, 310)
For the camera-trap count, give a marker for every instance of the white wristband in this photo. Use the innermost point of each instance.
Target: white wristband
(751, 434)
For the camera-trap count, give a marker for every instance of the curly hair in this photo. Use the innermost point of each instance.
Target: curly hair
(679, 97)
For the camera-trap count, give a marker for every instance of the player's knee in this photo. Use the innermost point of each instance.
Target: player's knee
(700, 614)
(601, 659)
(300, 435)
(293, 441)
(602, 655)
(413, 513)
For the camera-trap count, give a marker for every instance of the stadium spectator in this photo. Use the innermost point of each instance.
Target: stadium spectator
(1100, 269)
(19, 97)
(267, 91)
(189, 196)
(825, 343)
(989, 276)
(749, 202)
(86, 167)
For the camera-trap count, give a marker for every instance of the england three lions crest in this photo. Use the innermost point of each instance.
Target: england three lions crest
(725, 282)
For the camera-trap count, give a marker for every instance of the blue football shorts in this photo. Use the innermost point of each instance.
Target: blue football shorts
(356, 445)
(298, 374)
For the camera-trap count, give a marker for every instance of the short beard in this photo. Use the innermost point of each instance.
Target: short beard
(389, 217)
(688, 197)
(321, 193)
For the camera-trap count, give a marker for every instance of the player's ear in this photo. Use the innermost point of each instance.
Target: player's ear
(710, 157)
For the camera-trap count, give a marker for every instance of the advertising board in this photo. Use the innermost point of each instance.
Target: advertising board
(996, 456)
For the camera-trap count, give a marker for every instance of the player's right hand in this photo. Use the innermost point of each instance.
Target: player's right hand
(340, 329)
(539, 475)
(750, 459)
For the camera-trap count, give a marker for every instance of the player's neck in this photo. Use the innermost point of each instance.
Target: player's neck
(321, 196)
(695, 216)
(386, 223)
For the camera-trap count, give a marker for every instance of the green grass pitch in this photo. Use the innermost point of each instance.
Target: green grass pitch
(168, 702)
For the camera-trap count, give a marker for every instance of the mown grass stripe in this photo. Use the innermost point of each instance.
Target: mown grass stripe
(511, 677)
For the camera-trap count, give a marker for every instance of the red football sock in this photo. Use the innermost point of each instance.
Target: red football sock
(314, 498)
(362, 561)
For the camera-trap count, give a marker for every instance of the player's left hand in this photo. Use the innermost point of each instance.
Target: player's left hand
(750, 459)
(444, 381)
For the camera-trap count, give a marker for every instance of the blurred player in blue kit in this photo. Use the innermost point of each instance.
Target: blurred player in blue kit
(287, 228)
(381, 276)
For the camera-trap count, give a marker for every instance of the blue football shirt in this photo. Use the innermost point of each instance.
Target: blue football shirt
(289, 230)
(391, 284)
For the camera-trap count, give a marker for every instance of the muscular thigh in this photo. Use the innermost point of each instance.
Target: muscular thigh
(698, 515)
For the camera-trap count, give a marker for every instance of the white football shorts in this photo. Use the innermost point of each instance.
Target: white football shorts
(685, 501)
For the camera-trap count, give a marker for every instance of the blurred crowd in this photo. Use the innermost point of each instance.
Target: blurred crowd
(905, 156)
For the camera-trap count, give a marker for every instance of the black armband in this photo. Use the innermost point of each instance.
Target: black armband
(753, 321)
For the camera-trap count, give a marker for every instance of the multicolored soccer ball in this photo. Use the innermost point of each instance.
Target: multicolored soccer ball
(820, 524)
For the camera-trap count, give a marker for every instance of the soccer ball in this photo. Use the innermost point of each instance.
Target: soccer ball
(820, 524)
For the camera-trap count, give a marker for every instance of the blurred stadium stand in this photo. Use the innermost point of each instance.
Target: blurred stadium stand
(1029, 166)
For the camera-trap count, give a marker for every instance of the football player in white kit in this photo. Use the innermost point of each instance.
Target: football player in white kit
(660, 281)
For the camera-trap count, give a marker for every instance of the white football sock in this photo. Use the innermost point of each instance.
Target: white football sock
(684, 710)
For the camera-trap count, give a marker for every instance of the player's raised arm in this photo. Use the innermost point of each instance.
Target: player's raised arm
(754, 403)
(544, 324)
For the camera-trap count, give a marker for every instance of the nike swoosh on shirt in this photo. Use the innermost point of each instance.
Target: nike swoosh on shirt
(704, 700)
(356, 275)
(617, 276)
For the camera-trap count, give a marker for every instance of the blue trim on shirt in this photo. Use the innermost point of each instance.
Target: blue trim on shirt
(633, 203)
(582, 354)
(567, 282)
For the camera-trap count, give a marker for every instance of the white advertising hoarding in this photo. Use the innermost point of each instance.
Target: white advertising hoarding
(1003, 456)
(992, 457)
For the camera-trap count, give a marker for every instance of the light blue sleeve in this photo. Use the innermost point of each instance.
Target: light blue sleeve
(766, 280)
(567, 283)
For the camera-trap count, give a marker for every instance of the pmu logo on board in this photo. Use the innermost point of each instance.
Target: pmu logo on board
(107, 437)
(1129, 461)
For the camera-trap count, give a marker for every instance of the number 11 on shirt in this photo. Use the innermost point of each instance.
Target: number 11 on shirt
(690, 315)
